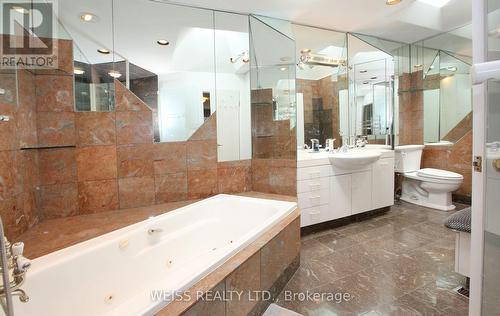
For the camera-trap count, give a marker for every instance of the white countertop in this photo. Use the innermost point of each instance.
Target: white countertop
(308, 158)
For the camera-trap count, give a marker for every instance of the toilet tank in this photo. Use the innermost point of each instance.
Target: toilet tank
(408, 158)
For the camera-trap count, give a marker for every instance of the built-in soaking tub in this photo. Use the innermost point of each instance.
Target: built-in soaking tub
(116, 273)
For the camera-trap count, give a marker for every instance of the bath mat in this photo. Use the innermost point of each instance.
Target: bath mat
(275, 310)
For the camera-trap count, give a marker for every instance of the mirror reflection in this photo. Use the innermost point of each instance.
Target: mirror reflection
(446, 62)
(322, 98)
(371, 84)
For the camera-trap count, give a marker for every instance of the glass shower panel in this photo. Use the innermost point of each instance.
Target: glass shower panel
(273, 98)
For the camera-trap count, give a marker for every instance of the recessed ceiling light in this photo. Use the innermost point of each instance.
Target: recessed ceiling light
(162, 42)
(286, 58)
(435, 3)
(103, 51)
(87, 17)
(392, 2)
(305, 51)
(363, 71)
(115, 74)
(78, 71)
(450, 68)
(283, 68)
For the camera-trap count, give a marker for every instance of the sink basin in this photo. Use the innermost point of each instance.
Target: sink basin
(353, 160)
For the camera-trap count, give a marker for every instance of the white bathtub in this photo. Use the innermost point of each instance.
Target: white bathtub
(115, 273)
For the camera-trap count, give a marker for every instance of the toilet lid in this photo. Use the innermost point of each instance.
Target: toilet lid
(439, 174)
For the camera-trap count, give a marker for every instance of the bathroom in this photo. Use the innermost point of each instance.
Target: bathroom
(232, 158)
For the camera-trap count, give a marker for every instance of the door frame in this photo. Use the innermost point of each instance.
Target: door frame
(479, 98)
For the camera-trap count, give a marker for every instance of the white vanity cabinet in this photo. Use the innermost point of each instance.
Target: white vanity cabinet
(326, 192)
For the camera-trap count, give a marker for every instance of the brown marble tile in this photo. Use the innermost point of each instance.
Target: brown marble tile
(206, 306)
(169, 157)
(234, 177)
(201, 155)
(12, 218)
(9, 136)
(9, 182)
(136, 191)
(95, 128)
(97, 196)
(96, 163)
(207, 131)
(126, 100)
(54, 93)
(171, 187)
(287, 244)
(26, 109)
(135, 160)
(245, 279)
(202, 183)
(57, 166)
(134, 127)
(56, 128)
(59, 200)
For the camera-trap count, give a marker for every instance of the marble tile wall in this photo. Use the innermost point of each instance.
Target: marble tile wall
(19, 177)
(108, 161)
(274, 148)
(411, 108)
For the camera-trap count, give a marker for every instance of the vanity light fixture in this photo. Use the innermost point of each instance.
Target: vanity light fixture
(115, 74)
(87, 17)
(392, 2)
(78, 71)
(305, 51)
(103, 51)
(162, 42)
(450, 68)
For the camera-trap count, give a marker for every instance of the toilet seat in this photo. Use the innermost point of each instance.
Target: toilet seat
(435, 176)
(439, 174)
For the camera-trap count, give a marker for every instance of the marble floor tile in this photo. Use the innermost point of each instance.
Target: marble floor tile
(398, 263)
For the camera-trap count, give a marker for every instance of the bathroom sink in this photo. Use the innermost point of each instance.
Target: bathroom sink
(354, 159)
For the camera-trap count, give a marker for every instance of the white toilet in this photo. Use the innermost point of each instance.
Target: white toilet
(427, 187)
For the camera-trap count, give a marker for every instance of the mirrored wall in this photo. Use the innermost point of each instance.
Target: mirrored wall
(322, 96)
(445, 61)
(184, 64)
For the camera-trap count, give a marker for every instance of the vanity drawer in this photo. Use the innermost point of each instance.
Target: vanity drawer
(314, 215)
(308, 173)
(313, 185)
(314, 198)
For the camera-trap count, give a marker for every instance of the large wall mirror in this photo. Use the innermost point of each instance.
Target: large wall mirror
(322, 97)
(372, 87)
(184, 63)
(446, 61)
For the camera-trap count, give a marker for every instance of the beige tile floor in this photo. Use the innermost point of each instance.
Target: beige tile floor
(398, 263)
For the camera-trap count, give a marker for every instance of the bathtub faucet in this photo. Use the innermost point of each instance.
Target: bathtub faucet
(16, 267)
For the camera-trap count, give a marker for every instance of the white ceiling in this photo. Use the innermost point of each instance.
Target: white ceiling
(407, 22)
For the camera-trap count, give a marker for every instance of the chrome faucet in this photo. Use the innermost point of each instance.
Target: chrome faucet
(13, 269)
(361, 141)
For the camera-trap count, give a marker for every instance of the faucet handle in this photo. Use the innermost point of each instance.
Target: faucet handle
(23, 263)
(17, 249)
